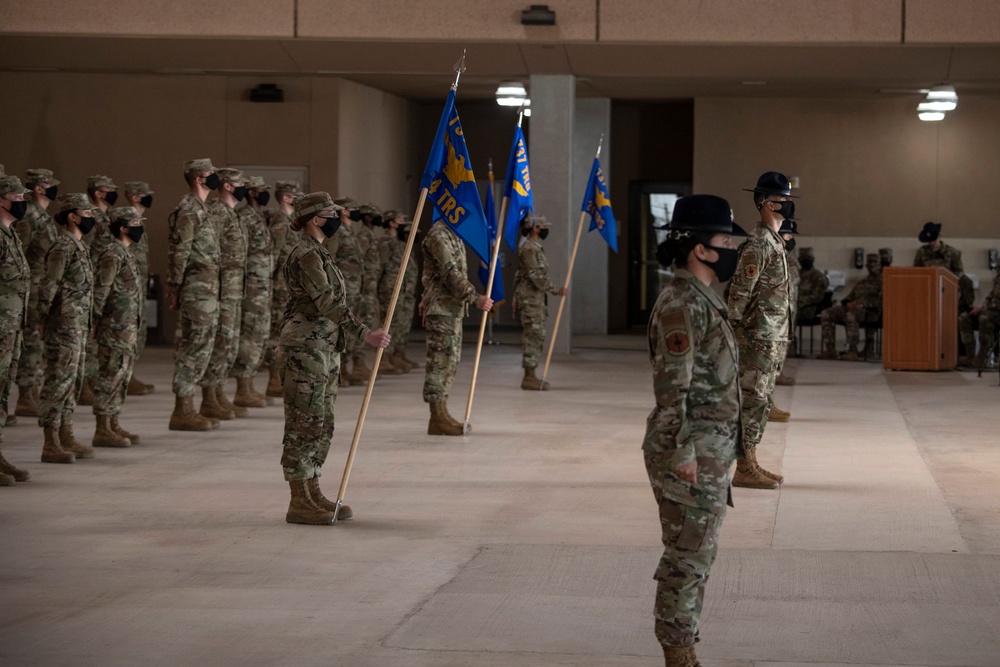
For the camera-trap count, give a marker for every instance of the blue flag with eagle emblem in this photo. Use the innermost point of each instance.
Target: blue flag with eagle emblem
(451, 185)
(597, 203)
(517, 189)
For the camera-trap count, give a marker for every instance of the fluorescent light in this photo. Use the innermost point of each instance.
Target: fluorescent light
(942, 93)
(510, 101)
(527, 112)
(931, 115)
(937, 105)
(511, 89)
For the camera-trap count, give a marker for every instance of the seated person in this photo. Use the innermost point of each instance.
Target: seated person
(987, 319)
(863, 304)
(813, 285)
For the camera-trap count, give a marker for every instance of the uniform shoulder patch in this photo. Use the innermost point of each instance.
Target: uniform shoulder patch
(750, 271)
(678, 342)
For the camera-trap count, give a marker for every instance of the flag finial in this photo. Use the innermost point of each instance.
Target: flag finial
(600, 144)
(459, 68)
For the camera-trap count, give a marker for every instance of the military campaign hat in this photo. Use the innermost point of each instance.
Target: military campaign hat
(125, 214)
(256, 183)
(314, 203)
(75, 201)
(230, 175)
(930, 232)
(199, 164)
(773, 183)
(36, 176)
(287, 187)
(11, 185)
(100, 181)
(137, 188)
(703, 213)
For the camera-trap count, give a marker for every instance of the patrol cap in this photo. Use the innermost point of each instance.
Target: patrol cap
(930, 232)
(885, 254)
(199, 164)
(287, 187)
(806, 252)
(75, 201)
(230, 175)
(314, 203)
(36, 176)
(346, 202)
(541, 222)
(872, 258)
(256, 183)
(703, 213)
(369, 209)
(392, 214)
(11, 185)
(100, 181)
(773, 183)
(789, 226)
(137, 188)
(125, 214)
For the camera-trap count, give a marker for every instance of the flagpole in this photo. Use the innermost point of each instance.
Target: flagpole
(569, 274)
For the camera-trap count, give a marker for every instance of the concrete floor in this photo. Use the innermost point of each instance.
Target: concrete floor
(529, 543)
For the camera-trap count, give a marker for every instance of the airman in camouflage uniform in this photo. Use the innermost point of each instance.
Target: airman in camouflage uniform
(233, 262)
(279, 221)
(256, 323)
(64, 307)
(316, 323)
(118, 293)
(394, 246)
(987, 318)
(693, 433)
(103, 193)
(446, 300)
(935, 252)
(15, 285)
(813, 285)
(389, 250)
(368, 233)
(37, 233)
(348, 255)
(789, 227)
(139, 196)
(759, 310)
(863, 304)
(531, 284)
(193, 282)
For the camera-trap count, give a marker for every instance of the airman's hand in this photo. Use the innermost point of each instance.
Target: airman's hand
(378, 338)
(484, 302)
(688, 472)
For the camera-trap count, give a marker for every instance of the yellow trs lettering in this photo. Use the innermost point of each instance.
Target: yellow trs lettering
(456, 215)
(446, 203)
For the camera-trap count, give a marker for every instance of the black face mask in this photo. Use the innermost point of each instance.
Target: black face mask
(111, 198)
(377, 221)
(790, 244)
(146, 201)
(18, 209)
(212, 181)
(525, 231)
(331, 226)
(543, 234)
(786, 209)
(355, 215)
(263, 198)
(86, 225)
(240, 193)
(806, 264)
(134, 233)
(402, 233)
(52, 191)
(725, 266)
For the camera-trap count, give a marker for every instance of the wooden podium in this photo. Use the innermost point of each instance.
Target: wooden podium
(919, 319)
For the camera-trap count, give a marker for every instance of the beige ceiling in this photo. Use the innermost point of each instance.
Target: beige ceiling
(423, 70)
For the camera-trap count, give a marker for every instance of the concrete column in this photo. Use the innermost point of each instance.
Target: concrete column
(589, 289)
(550, 148)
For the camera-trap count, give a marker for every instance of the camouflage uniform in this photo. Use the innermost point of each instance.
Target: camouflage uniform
(693, 352)
(759, 310)
(402, 318)
(866, 305)
(447, 297)
(813, 285)
(951, 259)
(193, 275)
(988, 321)
(140, 251)
(117, 298)
(15, 286)
(37, 232)
(256, 322)
(64, 306)
(316, 324)
(348, 255)
(233, 263)
(531, 282)
(97, 240)
(284, 240)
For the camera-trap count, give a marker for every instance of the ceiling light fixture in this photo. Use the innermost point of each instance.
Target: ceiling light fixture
(939, 100)
(513, 94)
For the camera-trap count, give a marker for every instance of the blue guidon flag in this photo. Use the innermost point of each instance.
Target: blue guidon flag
(597, 204)
(451, 185)
(517, 189)
(484, 267)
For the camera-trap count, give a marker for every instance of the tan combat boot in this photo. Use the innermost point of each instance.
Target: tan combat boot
(185, 418)
(784, 380)
(411, 362)
(302, 509)
(11, 420)
(220, 396)
(447, 414)
(680, 656)
(386, 366)
(245, 396)
(105, 436)
(86, 393)
(752, 460)
(312, 485)
(260, 396)
(360, 371)
(441, 423)
(27, 402)
(531, 381)
(16, 474)
(132, 437)
(6, 480)
(749, 476)
(210, 406)
(850, 355)
(52, 451)
(69, 442)
(401, 363)
(776, 414)
(138, 388)
(345, 379)
(828, 352)
(274, 387)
